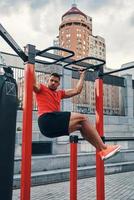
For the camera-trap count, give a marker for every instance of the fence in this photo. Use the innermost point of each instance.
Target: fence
(114, 93)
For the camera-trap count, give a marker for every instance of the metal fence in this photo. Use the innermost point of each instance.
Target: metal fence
(19, 76)
(114, 93)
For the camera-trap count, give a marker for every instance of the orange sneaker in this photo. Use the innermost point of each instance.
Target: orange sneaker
(109, 151)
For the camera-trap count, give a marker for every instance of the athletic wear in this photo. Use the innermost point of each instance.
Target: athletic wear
(110, 151)
(51, 121)
(48, 100)
(54, 124)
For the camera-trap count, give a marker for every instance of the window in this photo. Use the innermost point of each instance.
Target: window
(68, 35)
(78, 35)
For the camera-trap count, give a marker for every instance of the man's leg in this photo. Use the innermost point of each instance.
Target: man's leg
(81, 122)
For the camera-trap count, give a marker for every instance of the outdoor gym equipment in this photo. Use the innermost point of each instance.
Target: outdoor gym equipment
(29, 57)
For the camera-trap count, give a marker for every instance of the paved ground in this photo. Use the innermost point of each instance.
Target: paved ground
(118, 187)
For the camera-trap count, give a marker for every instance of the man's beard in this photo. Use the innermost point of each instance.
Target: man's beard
(52, 88)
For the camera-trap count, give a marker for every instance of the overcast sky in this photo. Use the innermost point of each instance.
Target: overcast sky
(36, 22)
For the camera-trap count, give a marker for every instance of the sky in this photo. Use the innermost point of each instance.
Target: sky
(37, 21)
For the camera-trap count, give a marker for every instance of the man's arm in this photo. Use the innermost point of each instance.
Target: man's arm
(36, 86)
(76, 90)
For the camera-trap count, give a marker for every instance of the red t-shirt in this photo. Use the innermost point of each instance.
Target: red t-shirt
(48, 100)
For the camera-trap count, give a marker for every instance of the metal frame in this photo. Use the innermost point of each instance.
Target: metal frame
(112, 139)
(118, 70)
(61, 59)
(115, 139)
(88, 66)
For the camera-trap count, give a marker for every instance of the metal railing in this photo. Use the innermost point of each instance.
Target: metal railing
(85, 102)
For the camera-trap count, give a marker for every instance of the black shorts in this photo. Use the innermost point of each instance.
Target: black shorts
(54, 124)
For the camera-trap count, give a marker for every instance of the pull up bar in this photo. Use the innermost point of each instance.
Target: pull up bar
(112, 139)
(117, 70)
(60, 59)
(88, 66)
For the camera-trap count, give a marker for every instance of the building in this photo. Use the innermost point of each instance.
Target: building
(75, 33)
(97, 47)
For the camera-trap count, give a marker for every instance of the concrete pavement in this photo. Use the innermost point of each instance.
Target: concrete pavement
(118, 187)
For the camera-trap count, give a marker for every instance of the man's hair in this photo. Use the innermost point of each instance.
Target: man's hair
(56, 75)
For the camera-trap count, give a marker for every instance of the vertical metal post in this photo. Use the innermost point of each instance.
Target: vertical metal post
(73, 167)
(100, 189)
(27, 124)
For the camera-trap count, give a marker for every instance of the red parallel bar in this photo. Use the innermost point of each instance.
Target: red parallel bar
(73, 171)
(100, 188)
(27, 133)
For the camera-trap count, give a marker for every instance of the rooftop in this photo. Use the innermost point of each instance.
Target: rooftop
(74, 10)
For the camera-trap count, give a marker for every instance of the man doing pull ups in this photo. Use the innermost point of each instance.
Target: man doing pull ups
(55, 123)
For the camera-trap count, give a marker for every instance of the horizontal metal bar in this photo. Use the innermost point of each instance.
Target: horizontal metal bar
(49, 55)
(62, 58)
(57, 57)
(90, 66)
(44, 62)
(81, 139)
(108, 139)
(118, 70)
